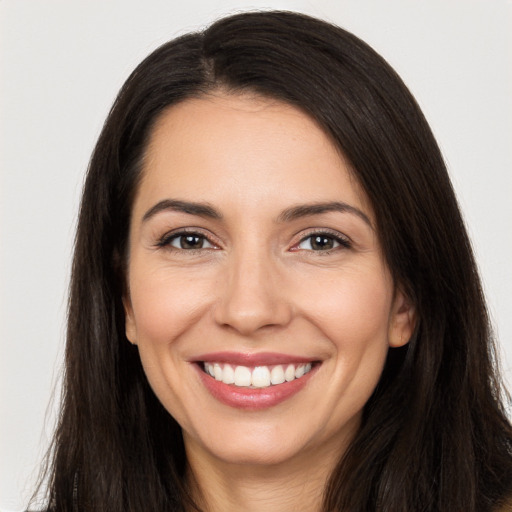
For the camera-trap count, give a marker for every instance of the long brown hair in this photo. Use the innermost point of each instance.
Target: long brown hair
(435, 435)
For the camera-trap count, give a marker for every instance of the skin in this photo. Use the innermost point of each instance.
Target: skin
(258, 285)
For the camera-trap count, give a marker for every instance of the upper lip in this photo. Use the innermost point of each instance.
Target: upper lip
(252, 359)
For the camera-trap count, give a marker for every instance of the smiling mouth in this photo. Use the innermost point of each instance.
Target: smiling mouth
(257, 377)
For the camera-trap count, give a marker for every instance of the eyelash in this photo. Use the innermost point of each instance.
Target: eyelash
(343, 241)
(168, 238)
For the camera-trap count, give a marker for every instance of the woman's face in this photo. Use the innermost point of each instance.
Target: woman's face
(253, 256)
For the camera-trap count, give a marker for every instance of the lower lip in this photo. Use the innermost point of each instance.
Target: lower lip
(253, 399)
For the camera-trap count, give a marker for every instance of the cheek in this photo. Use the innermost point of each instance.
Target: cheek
(352, 308)
(165, 304)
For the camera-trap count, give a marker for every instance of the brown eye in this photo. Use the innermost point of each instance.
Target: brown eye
(191, 242)
(322, 242)
(188, 241)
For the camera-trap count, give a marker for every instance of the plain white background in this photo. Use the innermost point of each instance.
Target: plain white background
(61, 65)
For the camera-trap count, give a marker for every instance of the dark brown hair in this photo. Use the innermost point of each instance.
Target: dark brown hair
(434, 435)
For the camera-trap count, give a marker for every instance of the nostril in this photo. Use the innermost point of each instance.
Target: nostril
(249, 317)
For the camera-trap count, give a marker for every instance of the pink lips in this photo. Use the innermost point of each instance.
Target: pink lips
(252, 398)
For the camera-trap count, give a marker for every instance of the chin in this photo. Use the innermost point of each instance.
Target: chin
(256, 449)
(271, 443)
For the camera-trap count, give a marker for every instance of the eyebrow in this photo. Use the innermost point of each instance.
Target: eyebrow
(287, 215)
(200, 209)
(306, 210)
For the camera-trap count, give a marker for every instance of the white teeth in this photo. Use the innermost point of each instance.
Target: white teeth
(260, 377)
(257, 377)
(217, 371)
(242, 376)
(299, 372)
(277, 375)
(289, 373)
(228, 376)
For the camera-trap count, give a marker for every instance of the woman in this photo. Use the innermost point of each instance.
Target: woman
(274, 303)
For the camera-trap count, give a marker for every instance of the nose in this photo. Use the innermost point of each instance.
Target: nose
(252, 296)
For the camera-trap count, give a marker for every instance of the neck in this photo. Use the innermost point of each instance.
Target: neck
(297, 484)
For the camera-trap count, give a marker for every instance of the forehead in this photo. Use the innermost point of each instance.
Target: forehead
(223, 148)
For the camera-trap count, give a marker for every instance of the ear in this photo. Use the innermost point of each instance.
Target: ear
(129, 320)
(402, 320)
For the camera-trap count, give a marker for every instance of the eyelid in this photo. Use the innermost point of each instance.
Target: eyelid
(343, 239)
(164, 240)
